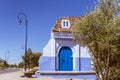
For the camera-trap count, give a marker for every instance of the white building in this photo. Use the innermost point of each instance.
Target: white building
(62, 56)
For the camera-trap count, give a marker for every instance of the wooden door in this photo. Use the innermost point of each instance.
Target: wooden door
(65, 59)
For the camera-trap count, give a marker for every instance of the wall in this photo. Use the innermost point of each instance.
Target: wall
(50, 61)
(47, 60)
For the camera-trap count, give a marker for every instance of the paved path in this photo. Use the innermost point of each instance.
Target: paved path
(3, 71)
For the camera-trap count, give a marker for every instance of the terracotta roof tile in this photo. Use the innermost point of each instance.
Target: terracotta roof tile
(58, 28)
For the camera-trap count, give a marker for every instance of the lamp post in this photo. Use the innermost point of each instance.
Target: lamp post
(20, 18)
(6, 58)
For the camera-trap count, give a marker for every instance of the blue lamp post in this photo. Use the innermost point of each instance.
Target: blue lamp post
(20, 18)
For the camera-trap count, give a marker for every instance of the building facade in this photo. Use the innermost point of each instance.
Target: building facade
(64, 57)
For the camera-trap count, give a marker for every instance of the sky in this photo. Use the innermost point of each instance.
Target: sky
(41, 15)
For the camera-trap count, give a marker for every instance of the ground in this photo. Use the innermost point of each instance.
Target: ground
(17, 75)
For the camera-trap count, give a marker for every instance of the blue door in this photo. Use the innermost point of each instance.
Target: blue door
(65, 59)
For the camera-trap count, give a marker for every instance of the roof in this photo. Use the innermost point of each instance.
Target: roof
(73, 21)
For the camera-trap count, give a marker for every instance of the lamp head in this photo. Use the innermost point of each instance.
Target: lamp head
(20, 21)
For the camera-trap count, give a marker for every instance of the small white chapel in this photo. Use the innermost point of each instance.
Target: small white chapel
(64, 57)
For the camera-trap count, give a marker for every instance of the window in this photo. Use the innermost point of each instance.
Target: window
(65, 24)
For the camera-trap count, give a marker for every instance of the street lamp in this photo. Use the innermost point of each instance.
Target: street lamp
(6, 58)
(20, 18)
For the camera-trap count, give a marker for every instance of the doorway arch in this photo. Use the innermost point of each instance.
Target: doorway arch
(65, 59)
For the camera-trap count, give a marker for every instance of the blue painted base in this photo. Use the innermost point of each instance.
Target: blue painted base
(48, 64)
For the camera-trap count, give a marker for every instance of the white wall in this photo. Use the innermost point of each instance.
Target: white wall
(84, 53)
(49, 49)
(59, 40)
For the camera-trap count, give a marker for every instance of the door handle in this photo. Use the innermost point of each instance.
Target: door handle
(63, 60)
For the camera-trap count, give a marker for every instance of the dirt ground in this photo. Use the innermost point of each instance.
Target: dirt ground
(18, 75)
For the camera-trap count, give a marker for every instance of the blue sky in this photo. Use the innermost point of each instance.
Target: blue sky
(42, 16)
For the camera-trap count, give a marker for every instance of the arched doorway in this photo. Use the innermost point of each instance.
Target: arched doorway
(65, 59)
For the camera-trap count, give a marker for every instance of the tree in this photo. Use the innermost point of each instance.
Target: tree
(13, 66)
(31, 58)
(100, 32)
(35, 58)
(20, 65)
(4, 64)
